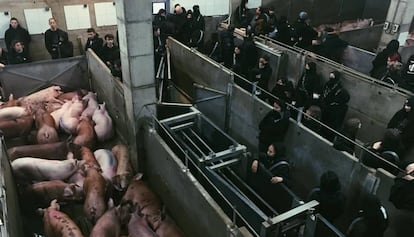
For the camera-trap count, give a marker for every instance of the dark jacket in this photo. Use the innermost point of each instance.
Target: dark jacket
(303, 34)
(380, 61)
(273, 127)
(331, 204)
(249, 53)
(57, 44)
(402, 194)
(20, 34)
(308, 84)
(278, 165)
(110, 54)
(18, 58)
(262, 76)
(95, 44)
(284, 31)
(333, 48)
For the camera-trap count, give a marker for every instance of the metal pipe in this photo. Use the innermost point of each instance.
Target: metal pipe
(192, 143)
(201, 140)
(199, 86)
(168, 64)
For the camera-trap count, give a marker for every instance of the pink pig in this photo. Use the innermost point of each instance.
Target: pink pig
(103, 123)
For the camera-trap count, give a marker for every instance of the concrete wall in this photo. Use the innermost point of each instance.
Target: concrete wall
(38, 51)
(186, 200)
(12, 225)
(366, 38)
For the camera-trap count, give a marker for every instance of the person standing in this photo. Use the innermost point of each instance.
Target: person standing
(274, 125)
(16, 32)
(110, 52)
(57, 41)
(334, 101)
(94, 42)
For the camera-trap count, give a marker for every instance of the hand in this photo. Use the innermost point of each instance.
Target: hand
(315, 96)
(276, 179)
(255, 164)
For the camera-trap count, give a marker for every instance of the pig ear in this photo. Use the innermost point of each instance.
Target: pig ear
(69, 191)
(138, 176)
(40, 211)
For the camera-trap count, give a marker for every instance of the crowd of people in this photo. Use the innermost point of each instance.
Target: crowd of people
(57, 44)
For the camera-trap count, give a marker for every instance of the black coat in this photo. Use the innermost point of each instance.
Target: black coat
(110, 54)
(95, 44)
(18, 58)
(331, 205)
(308, 84)
(333, 48)
(278, 165)
(402, 194)
(273, 127)
(303, 34)
(57, 44)
(20, 34)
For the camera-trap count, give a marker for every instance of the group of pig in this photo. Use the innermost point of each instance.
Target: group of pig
(50, 172)
(75, 113)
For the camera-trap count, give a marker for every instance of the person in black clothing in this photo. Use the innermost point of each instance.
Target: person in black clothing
(110, 52)
(407, 74)
(261, 75)
(18, 54)
(314, 112)
(227, 46)
(303, 33)
(274, 125)
(159, 46)
(274, 161)
(16, 32)
(284, 90)
(309, 87)
(403, 120)
(94, 42)
(389, 148)
(379, 64)
(272, 19)
(242, 15)
(282, 31)
(334, 106)
(188, 28)
(402, 192)
(259, 22)
(178, 19)
(372, 220)
(57, 41)
(333, 47)
(250, 54)
(350, 130)
(4, 59)
(160, 18)
(329, 195)
(199, 27)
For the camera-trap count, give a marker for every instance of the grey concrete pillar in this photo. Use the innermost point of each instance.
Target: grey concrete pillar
(399, 14)
(134, 19)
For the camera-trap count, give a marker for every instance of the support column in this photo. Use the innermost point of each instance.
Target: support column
(134, 18)
(398, 20)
